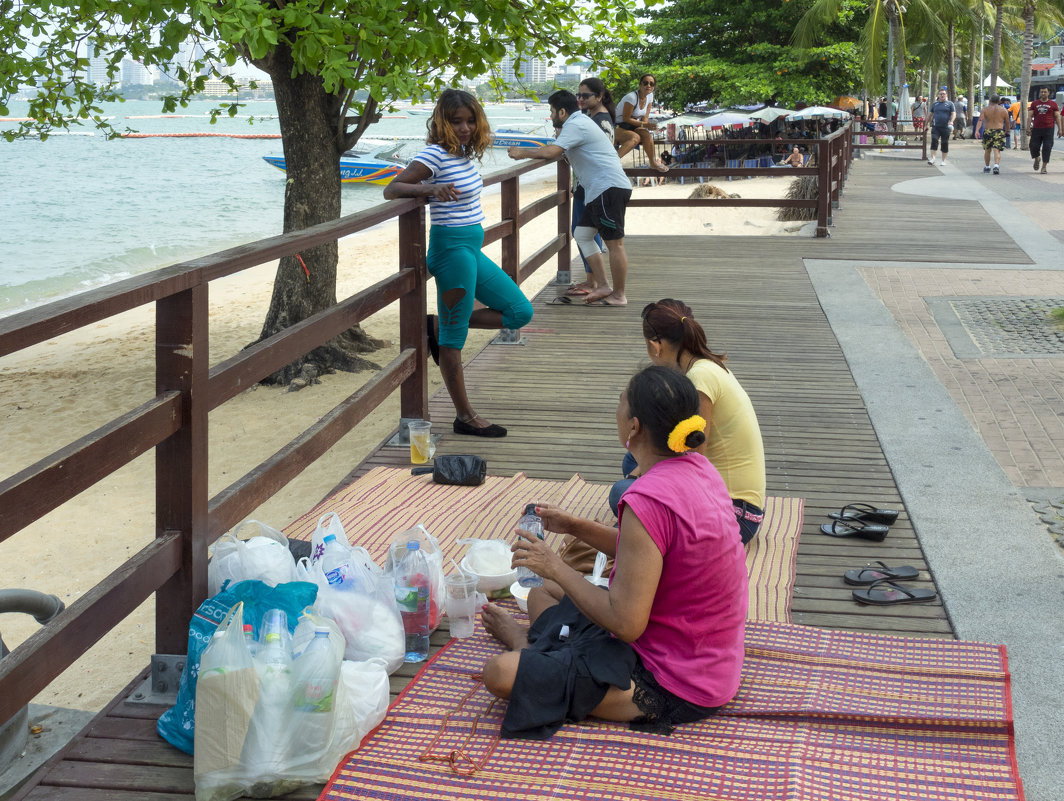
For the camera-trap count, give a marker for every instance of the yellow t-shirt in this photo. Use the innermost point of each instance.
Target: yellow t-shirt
(733, 442)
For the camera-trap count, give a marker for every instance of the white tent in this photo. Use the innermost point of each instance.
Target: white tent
(1001, 83)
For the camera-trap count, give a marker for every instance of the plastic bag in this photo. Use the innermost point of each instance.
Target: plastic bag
(364, 610)
(327, 524)
(430, 546)
(264, 557)
(289, 743)
(177, 724)
(228, 691)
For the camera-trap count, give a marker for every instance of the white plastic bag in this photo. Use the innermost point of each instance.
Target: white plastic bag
(366, 614)
(327, 524)
(430, 546)
(264, 557)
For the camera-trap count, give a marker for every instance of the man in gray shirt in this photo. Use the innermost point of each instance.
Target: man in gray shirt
(943, 113)
(607, 191)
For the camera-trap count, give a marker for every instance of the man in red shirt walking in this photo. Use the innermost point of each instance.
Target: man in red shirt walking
(1045, 120)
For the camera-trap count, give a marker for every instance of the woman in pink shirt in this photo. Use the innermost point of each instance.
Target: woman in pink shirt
(663, 645)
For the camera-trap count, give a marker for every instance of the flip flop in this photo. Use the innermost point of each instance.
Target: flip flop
(864, 576)
(602, 302)
(865, 531)
(887, 593)
(561, 300)
(577, 291)
(866, 513)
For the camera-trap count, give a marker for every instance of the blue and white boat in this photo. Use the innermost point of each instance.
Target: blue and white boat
(376, 163)
(511, 137)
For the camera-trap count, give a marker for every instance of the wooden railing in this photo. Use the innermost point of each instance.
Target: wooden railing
(905, 140)
(174, 422)
(831, 158)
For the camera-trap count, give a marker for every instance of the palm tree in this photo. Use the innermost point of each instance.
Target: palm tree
(1050, 16)
(885, 23)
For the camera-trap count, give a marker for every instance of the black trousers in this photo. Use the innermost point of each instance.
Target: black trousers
(1042, 139)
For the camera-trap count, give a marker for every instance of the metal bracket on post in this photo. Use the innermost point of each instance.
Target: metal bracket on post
(402, 436)
(509, 336)
(161, 686)
(563, 278)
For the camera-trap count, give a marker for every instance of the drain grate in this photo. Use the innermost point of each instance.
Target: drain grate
(999, 327)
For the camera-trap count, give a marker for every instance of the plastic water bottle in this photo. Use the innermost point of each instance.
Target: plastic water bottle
(335, 559)
(249, 638)
(412, 595)
(533, 524)
(317, 673)
(275, 655)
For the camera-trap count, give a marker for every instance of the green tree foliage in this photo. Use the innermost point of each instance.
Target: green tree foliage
(738, 51)
(334, 66)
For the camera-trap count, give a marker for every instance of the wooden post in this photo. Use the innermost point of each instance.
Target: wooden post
(823, 195)
(414, 391)
(565, 216)
(511, 210)
(182, 360)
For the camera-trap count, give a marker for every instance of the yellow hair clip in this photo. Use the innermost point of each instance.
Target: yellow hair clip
(678, 437)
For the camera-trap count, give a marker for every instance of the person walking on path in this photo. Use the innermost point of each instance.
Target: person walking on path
(993, 123)
(919, 113)
(444, 173)
(607, 191)
(943, 112)
(633, 122)
(1044, 121)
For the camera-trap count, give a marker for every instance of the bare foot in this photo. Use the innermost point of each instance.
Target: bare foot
(611, 299)
(598, 293)
(503, 627)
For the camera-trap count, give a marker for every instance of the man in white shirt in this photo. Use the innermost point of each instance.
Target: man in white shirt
(607, 191)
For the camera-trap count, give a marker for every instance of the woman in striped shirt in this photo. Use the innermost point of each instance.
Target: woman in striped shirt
(445, 174)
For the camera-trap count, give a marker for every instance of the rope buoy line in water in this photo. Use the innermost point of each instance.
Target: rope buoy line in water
(188, 135)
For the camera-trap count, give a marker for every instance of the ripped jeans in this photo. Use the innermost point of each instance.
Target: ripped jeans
(456, 262)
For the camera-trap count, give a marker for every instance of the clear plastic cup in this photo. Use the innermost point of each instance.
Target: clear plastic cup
(421, 447)
(461, 603)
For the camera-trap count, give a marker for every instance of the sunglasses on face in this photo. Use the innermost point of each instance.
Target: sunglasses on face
(585, 95)
(648, 83)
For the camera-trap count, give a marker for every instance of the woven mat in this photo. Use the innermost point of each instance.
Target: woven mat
(819, 715)
(388, 500)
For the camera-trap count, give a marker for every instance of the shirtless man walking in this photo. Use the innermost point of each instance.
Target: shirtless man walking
(992, 123)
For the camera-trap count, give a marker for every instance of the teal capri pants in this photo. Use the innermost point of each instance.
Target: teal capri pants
(456, 262)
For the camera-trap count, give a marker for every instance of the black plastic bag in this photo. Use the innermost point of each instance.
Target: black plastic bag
(463, 470)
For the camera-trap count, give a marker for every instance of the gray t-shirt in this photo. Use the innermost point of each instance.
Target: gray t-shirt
(592, 156)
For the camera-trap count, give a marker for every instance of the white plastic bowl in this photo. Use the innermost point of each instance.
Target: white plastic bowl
(490, 583)
(520, 595)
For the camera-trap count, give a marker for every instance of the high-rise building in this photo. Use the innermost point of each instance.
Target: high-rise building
(135, 74)
(97, 70)
(515, 70)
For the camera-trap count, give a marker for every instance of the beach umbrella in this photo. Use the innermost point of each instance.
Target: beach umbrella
(818, 113)
(905, 107)
(726, 120)
(771, 114)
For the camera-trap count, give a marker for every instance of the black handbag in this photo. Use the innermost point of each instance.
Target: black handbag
(462, 470)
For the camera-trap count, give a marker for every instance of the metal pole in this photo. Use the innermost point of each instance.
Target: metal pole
(982, 82)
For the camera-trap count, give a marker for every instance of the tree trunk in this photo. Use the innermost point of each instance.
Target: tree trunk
(951, 58)
(1025, 80)
(313, 140)
(995, 59)
(971, 79)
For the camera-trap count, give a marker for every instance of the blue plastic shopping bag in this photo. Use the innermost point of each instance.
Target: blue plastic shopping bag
(177, 724)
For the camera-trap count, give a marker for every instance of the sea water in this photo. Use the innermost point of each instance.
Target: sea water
(81, 211)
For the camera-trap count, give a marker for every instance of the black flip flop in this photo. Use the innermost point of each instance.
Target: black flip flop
(865, 531)
(866, 513)
(887, 593)
(434, 343)
(563, 300)
(871, 573)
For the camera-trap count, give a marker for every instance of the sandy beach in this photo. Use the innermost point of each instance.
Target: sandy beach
(67, 387)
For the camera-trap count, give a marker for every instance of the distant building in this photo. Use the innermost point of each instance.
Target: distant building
(515, 70)
(97, 70)
(136, 74)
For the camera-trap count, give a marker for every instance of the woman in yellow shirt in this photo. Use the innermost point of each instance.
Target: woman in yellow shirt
(733, 444)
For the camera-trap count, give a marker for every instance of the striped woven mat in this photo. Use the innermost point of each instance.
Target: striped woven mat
(820, 715)
(388, 500)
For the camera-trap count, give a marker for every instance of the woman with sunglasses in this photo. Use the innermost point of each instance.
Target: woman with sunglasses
(443, 172)
(733, 437)
(596, 102)
(633, 122)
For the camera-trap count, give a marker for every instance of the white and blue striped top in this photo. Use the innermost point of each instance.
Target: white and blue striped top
(447, 169)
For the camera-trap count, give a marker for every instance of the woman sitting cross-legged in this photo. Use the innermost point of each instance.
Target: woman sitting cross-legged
(663, 644)
(733, 437)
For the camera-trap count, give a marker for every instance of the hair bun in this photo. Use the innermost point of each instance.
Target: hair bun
(694, 439)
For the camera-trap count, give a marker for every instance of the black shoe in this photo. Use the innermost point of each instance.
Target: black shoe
(434, 344)
(493, 431)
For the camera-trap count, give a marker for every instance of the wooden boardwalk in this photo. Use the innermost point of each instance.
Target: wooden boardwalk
(557, 394)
